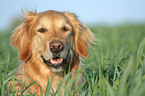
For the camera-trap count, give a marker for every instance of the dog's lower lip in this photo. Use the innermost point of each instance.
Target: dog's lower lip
(45, 61)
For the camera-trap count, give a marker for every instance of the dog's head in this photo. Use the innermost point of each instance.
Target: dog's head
(50, 36)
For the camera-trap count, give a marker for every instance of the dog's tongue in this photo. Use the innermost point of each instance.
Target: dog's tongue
(56, 61)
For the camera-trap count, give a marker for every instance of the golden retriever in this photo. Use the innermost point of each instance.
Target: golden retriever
(48, 44)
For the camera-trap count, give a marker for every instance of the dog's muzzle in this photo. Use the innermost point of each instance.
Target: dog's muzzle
(57, 63)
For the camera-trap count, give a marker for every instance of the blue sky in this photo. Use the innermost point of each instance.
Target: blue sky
(90, 11)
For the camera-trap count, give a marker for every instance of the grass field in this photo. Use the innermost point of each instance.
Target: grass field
(115, 65)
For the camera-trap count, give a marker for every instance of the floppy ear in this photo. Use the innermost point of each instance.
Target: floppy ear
(82, 35)
(22, 37)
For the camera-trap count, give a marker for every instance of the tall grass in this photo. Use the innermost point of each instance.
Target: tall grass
(115, 65)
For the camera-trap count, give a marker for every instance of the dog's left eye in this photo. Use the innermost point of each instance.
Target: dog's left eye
(65, 29)
(42, 30)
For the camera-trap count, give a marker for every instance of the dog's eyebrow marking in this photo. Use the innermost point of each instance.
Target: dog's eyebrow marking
(44, 22)
(68, 26)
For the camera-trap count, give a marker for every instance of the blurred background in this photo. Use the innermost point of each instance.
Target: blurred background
(90, 11)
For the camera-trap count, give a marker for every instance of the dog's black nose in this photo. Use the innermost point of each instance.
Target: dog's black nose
(56, 46)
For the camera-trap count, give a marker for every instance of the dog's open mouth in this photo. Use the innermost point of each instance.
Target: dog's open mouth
(55, 64)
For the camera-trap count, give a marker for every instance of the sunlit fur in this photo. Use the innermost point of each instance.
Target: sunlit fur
(31, 44)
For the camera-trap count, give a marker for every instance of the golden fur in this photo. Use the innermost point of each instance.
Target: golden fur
(31, 44)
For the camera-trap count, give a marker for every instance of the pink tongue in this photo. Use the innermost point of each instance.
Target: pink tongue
(56, 61)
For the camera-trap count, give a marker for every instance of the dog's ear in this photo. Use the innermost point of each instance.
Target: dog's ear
(22, 36)
(82, 35)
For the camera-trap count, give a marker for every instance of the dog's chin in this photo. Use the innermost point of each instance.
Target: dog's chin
(56, 65)
(58, 69)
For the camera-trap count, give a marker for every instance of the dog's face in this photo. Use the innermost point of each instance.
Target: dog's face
(50, 37)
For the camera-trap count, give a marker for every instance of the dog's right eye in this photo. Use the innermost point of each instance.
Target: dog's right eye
(42, 30)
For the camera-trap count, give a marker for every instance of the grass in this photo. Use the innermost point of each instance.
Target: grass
(115, 65)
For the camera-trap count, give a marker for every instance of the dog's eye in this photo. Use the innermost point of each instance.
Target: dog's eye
(65, 29)
(42, 30)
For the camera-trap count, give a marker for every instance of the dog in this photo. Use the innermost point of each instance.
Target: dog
(49, 43)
